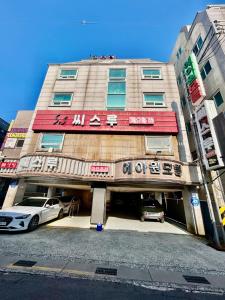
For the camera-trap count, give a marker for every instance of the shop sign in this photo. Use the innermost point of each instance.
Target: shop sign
(52, 162)
(122, 121)
(100, 169)
(193, 80)
(141, 121)
(10, 143)
(137, 169)
(19, 133)
(16, 135)
(208, 139)
(152, 167)
(8, 165)
(18, 130)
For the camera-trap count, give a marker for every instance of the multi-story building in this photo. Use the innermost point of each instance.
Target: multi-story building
(10, 151)
(106, 130)
(3, 130)
(199, 59)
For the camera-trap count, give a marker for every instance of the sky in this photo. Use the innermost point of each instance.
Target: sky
(35, 33)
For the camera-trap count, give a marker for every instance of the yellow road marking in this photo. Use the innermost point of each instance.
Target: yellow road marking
(42, 268)
(78, 272)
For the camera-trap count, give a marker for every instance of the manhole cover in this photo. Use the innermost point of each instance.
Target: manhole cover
(106, 271)
(25, 263)
(196, 279)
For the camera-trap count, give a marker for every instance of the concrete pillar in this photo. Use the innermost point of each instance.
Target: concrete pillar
(193, 214)
(98, 211)
(51, 191)
(15, 192)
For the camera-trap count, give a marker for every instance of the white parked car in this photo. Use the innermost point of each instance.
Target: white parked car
(29, 213)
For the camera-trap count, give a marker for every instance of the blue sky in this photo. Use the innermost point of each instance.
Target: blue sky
(35, 33)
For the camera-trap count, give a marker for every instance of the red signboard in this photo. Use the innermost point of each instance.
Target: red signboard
(195, 91)
(8, 165)
(106, 121)
(102, 169)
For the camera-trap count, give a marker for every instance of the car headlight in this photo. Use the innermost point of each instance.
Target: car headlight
(22, 217)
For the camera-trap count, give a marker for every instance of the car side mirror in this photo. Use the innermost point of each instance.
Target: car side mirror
(47, 205)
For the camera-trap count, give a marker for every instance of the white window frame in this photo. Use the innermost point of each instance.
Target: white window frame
(67, 76)
(114, 79)
(196, 44)
(151, 76)
(63, 103)
(159, 151)
(53, 149)
(154, 103)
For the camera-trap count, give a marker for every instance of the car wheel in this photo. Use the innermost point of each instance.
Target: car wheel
(61, 214)
(33, 223)
(142, 219)
(162, 220)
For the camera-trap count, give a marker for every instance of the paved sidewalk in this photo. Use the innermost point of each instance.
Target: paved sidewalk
(160, 251)
(142, 277)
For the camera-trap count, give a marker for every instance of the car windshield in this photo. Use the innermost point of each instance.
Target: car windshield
(151, 203)
(36, 202)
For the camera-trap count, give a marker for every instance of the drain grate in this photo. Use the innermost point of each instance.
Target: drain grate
(106, 271)
(25, 263)
(196, 279)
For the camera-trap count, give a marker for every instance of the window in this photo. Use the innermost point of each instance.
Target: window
(151, 99)
(179, 52)
(194, 155)
(198, 45)
(205, 70)
(188, 127)
(68, 74)
(117, 74)
(55, 201)
(116, 94)
(183, 102)
(151, 73)
(158, 144)
(19, 143)
(179, 80)
(62, 99)
(218, 98)
(50, 140)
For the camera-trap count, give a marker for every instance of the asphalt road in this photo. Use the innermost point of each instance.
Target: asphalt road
(161, 251)
(25, 286)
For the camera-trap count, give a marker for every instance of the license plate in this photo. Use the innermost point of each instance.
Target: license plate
(2, 223)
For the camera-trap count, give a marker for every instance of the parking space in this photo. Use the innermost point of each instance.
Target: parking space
(120, 223)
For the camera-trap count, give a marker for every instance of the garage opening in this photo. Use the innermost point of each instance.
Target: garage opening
(163, 212)
(65, 195)
(79, 201)
(124, 205)
(173, 205)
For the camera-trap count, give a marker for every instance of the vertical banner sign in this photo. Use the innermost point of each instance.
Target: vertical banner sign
(193, 80)
(210, 148)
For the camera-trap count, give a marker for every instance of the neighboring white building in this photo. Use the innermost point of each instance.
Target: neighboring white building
(205, 39)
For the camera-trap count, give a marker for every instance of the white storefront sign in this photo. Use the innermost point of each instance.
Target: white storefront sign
(10, 143)
(204, 115)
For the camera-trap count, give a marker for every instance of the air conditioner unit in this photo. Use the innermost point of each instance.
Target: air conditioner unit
(50, 149)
